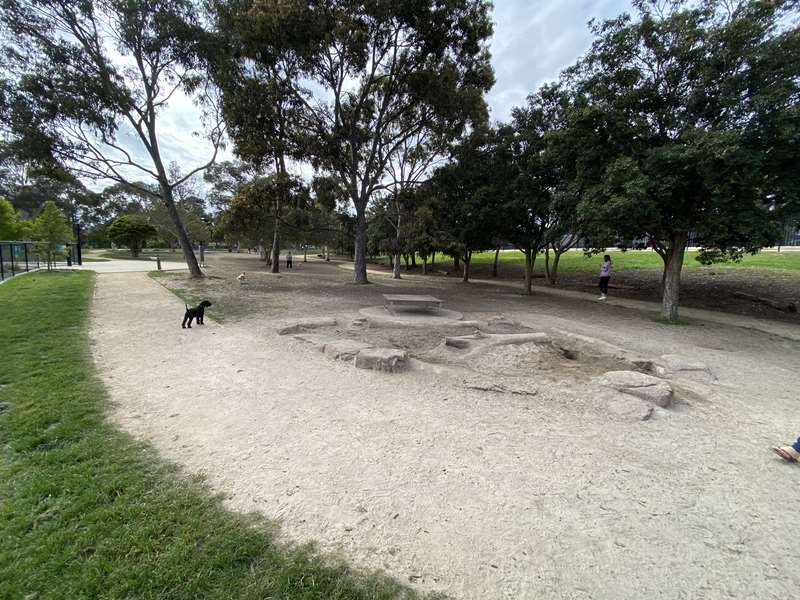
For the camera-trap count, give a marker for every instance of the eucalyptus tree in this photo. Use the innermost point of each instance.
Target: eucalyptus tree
(253, 59)
(527, 183)
(408, 166)
(470, 197)
(85, 83)
(367, 77)
(277, 200)
(691, 120)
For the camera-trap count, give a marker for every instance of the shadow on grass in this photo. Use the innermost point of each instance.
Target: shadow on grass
(88, 512)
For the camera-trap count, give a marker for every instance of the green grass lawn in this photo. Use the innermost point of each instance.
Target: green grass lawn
(146, 254)
(577, 262)
(87, 512)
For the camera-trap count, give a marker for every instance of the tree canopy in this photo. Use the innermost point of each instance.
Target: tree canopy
(131, 231)
(388, 72)
(84, 82)
(52, 231)
(677, 131)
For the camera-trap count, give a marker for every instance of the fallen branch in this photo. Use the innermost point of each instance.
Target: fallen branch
(496, 387)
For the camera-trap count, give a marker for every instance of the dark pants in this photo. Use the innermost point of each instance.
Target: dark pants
(604, 285)
(796, 445)
(289, 264)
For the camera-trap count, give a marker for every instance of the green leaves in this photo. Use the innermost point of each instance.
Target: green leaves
(131, 231)
(673, 137)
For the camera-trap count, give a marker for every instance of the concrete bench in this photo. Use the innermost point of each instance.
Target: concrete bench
(391, 301)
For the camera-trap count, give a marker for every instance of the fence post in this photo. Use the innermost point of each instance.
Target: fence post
(25, 247)
(12, 259)
(2, 271)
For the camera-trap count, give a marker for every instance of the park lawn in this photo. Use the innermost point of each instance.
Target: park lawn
(577, 262)
(146, 254)
(88, 512)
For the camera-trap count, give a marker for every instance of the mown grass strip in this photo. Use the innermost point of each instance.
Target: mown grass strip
(577, 262)
(87, 512)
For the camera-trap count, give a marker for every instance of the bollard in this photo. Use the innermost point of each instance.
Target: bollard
(158, 262)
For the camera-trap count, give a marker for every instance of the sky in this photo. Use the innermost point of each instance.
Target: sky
(533, 41)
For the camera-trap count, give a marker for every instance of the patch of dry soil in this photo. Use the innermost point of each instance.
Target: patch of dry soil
(476, 494)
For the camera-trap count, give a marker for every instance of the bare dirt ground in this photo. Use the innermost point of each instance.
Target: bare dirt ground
(477, 494)
(709, 287)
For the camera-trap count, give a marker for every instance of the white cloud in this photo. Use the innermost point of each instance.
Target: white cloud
(535, 40)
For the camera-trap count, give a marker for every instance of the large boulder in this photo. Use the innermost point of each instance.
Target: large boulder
(389, 360)
(649, 388)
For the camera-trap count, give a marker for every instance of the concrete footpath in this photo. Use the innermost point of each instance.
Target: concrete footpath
(126, 266)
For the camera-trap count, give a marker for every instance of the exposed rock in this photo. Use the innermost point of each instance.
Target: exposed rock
(628, 408)
(316, 340)
(457, 342)
(389, 360)
(359, 323)
(649, 388)
(344, 349)
(301, 326)
(676, 364)
(501, 322)
(480, 340)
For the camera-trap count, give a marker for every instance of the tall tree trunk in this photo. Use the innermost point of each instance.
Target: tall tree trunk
(530, 258)
(360, 258)
(183, 239)
(547, 263)
(433, 259)
(305, 253)
(467, 261)
(424, 265)
(405, 260)
(672, 277)
(553, 274)
(456, 264)
(276, 252)
(496, 257)
(327, 253)
(396, 266)
(414, 259)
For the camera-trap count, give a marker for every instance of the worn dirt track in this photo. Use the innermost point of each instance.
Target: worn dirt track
(478, 495)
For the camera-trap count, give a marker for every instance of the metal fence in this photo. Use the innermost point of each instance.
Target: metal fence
(17, 257)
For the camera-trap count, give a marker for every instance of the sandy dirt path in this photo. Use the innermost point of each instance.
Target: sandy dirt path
(477, 495)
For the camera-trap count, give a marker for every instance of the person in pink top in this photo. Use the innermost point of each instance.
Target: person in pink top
(605, 275)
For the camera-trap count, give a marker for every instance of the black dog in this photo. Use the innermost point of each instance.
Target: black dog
(195, 313)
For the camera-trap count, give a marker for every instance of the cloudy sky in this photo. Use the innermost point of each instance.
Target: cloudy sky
(533, 41)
